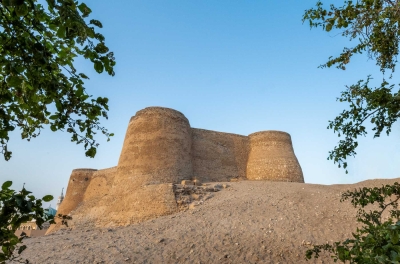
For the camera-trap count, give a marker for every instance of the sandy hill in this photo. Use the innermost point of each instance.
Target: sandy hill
(245, 222)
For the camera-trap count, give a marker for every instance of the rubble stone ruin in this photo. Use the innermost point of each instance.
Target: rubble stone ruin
(161, 149)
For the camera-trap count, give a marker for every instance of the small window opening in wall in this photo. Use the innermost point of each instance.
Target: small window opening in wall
(86, 178)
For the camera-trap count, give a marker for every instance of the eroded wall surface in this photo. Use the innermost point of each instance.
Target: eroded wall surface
(272, 158)
(78, 183)
(156, 149)
(160, 149)
(121, 209)
(218, 156)
(100, 184)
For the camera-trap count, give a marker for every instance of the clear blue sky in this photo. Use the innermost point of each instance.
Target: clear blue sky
(231, 66)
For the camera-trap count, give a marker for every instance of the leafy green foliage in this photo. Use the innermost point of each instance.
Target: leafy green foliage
(380, 106)
(376, 26)
(377, 241)
(375, 23)
(39, 84)
(15, 209)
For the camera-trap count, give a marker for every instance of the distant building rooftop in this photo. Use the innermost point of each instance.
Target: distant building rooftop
(51, 211)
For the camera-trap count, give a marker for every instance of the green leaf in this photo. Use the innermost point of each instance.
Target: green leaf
(19, 69)
(91, 152)
(395, 237)
(47, 198)
(90, 32)
(18, 200)
(59, 105)
(14, 81)
(21, 10)
(61, 32)
(51, 3)
(82, 75)
(98, 66)
(328, 27)
(84, 9)
(12, 2)
(96, 23)
(6, 185)
(7, 2)
(53, 26)
(101, 48)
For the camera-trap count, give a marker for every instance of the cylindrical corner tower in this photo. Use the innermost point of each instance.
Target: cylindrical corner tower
(157, 148)
(77, 185)
(272, 158)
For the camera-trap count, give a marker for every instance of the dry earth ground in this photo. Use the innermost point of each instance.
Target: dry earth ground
(247, 222)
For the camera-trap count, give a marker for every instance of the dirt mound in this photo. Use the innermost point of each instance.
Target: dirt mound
(245, 222)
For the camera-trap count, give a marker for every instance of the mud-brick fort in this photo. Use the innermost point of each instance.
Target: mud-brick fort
(161, 149)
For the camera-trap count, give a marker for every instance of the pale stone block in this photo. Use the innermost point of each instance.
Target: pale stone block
(187, 182)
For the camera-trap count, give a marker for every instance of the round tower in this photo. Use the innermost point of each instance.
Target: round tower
(272, 158)
(78, 182)
(157, 149)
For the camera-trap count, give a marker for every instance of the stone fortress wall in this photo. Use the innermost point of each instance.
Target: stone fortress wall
(218, 156)
(161, 149)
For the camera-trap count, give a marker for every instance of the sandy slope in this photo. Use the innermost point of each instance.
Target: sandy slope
(248, 222)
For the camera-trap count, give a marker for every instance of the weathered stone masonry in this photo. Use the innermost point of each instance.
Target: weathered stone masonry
(161, 149)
